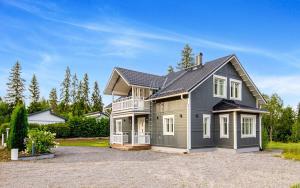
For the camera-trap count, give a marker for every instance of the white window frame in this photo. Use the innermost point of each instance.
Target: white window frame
(253, 117)
(117, 128)
(207, 135)
(165, 132)
(222, 135)
(231, 80)
(224, 89)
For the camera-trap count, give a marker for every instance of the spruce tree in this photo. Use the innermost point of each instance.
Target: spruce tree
(96, 99)
(34, 95)
(15, 86)
(170, 69)
(53, 100)
(187, 59)
(78, 106)
(298, 113)
(85, 93)
(74, 88)
(65, 90)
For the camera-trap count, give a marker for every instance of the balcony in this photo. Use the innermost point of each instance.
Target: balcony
(123, 138)
(130, 104)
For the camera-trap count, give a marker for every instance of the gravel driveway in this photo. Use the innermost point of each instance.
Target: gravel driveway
(104, 167)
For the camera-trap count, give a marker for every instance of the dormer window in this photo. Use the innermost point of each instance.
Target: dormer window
(220, 86)
(235, 89)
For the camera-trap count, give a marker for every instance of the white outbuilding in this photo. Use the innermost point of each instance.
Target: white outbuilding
(45, 117)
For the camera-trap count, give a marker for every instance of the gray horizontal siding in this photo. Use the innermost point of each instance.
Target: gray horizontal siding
(247, 142)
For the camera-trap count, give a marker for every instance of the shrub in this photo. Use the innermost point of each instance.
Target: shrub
(88, 127)
(295, 137)
(34, 126)
(43, 141)
(61, 130)
(18, 128)
(265, 138)
(3, 128)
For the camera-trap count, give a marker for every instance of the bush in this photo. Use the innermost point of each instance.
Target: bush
(61, 130)
(18, 128)
(295, 137)
(34, 126)
(3, 128)
(265, 138)
(43, 141)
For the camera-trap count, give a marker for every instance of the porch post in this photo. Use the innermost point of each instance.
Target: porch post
(132, 130)
(234, 130)
(260, 133)
(111, 129)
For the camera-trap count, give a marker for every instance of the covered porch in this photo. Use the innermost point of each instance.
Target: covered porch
(130, 130)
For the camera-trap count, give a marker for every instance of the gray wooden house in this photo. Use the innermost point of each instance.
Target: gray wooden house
(210, 105)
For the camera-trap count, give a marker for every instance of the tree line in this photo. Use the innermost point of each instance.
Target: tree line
(75, 98)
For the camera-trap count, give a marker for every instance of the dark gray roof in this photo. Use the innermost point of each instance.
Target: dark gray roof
(226, 104)
(141, 79)
(184, 81)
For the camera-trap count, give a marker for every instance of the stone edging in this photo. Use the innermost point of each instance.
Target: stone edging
(45, 156)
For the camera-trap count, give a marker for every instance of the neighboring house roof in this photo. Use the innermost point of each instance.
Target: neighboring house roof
(108, 106)
(96, 114)
(230, 105)
(52, 113)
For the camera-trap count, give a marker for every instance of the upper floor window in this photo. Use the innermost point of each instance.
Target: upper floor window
(235, 89)
(248, 127)
(224, 126)
(206, 126)
(220, 86)
(168, 125)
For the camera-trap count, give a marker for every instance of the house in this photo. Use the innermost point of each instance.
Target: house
(45, 117)
(210, 105)
(97, 115)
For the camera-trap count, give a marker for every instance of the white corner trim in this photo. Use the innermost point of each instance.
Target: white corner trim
(260, 133)
(221, 116)
(165, 133)
(234, 130)
(224, 89)
(240, 89)
(253, 135)
(188, 137)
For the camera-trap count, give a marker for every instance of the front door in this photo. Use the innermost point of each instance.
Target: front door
(141, 126)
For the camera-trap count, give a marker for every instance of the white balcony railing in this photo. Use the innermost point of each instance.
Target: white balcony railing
(130, 104)
(142, 138)
(120, 138)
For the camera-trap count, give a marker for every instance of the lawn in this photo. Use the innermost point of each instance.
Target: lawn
(95, 142)
(290, 150)
(4, 155)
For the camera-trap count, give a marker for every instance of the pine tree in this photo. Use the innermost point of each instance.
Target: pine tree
(78, 106)
(15, 86)
(96, 98)
(187, 59)
(53, 100)
(85, 93)
(65, 90)
(74, 88)
(34, 95)
(170, 69)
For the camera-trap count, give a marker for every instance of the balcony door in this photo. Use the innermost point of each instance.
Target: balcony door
(141, 126)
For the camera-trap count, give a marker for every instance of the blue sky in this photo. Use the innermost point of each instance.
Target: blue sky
(95, 36)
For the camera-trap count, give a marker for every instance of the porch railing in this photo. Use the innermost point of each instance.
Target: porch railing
(142, 138)
(130, 104)
(120, 138)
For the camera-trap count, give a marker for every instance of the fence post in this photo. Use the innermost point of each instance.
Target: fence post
(7, 131)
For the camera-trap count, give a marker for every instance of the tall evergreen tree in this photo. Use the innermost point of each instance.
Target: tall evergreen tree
(34, 95)
(170, 69)
(187, 59)
(65, 90)
(15, 86)
(298, 113)
(53, 100)
(85, 93)
(96, 98)
(74, 88)
(78, 106)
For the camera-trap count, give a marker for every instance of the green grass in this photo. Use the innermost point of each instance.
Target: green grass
(290, 150)
(84, 142)
(296, 185)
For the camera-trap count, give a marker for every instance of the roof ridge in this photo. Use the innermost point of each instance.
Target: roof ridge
(139, 72)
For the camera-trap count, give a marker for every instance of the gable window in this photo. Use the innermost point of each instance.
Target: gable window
(224, 126)
(220, 86)
(168, 125)
(235, 89)
(206, 126)
(248, 128)
(119, 126)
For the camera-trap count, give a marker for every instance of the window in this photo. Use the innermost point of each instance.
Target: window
(248, 128)
(220, 86)
(168, 125)
(235, 89)
(206, 126)
(118, 125)
(224, 126)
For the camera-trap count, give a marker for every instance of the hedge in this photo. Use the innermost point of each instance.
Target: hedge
(3, 128)
(77, 127)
